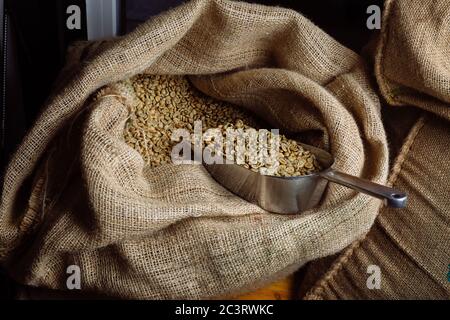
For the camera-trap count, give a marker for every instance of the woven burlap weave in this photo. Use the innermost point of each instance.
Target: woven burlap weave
(411, 246)
(76, 194)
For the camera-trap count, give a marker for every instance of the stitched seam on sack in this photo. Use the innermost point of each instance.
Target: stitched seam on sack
(423, 120)
(406, 148)
(379, 65)
(318, 289)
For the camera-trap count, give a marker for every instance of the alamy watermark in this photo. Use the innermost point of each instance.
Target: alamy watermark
(73, 281)
(73, 21)
(258, 148)
(374, 280)
(374, 20)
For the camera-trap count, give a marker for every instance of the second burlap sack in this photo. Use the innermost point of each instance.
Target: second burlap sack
(76, 195)
(410, 247)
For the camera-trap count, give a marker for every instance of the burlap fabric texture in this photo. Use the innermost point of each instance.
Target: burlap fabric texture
(412, 246)
(76, 194)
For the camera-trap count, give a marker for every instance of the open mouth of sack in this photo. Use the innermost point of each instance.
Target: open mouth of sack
(281, 175)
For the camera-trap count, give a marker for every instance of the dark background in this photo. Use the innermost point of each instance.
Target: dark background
(345, 20)
(36, 45)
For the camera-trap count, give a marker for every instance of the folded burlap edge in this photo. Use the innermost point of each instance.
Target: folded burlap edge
(316, 292)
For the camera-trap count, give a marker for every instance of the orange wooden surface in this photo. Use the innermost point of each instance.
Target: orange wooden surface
(280, 290)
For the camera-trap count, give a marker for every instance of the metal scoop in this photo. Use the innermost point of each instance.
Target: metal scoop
(290, 195)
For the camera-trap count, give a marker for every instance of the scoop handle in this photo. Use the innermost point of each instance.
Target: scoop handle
(395, 198)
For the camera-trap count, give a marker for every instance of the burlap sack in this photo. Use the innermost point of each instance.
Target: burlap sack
(411, 246)
(76, 194)
(412, 60)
